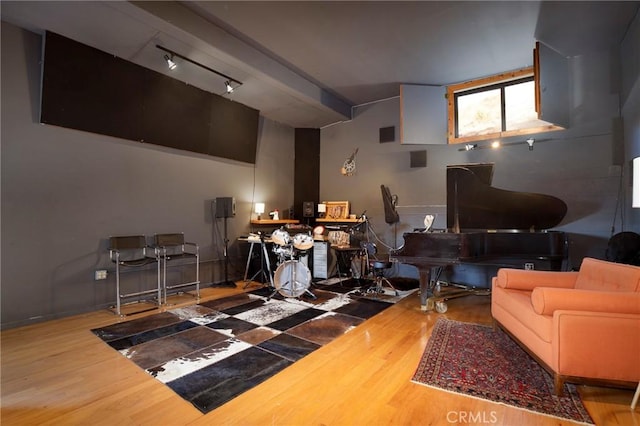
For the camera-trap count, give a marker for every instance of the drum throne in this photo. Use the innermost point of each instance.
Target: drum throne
(379, 267)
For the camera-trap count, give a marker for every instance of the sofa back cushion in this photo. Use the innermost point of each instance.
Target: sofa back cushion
(609, 276)
(547, 300)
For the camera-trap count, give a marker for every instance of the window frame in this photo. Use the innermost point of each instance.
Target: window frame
(489, 83)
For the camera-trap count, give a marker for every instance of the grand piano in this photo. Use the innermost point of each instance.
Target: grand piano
(486, 227)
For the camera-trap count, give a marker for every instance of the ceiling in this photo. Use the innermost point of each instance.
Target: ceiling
(307, 64)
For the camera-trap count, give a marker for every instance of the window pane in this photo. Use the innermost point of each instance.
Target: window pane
(520, 106)
(479, 113)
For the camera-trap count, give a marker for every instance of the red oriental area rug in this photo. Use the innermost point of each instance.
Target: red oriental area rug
(483, 362)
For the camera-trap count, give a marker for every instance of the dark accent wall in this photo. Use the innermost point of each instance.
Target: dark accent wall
(307, 169)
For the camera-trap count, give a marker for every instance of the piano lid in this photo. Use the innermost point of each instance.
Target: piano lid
(473, 204)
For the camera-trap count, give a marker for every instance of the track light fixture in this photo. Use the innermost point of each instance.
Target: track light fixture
(172, 65)
(530, 142)
(470, 146)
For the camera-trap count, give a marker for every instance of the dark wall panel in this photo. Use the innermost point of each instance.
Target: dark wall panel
(175, 114)
(307, 169)
(78, 90)
(233, 131)
(86, 89)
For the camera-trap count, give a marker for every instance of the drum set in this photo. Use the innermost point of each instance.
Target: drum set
(292, 277)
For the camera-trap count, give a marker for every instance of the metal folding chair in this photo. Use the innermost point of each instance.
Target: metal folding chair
(132, 251)
(172, 247)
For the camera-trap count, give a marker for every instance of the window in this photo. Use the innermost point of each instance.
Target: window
(493, 107)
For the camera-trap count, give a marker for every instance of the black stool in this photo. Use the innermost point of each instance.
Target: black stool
(379, 267)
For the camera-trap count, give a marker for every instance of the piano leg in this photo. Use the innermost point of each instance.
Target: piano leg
(433, 298)
(426, 291)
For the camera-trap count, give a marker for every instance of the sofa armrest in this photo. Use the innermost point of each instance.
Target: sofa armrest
(546, 301)
(599, 345)
(520, 279)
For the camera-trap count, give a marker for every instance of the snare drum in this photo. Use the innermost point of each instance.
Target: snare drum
(292, 278)
(302, 241)
(280, 237)
(283, 252)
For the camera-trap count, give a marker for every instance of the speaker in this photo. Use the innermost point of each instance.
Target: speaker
(418, 158)
(387, 134)
(307, 209)
(225, 207)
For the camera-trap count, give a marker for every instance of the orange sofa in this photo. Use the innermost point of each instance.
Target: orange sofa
(583, 327)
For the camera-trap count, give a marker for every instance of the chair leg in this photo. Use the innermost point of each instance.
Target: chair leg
(558, 384)
(163, 299)
(198, 275)
(380, 280)
(636, 396)
(384, 279)
(160, 300)
(118, 285)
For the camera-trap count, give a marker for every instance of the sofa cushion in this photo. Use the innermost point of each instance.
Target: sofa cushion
(520, 279)
(518, 304)
(609, 276)
(547, 300)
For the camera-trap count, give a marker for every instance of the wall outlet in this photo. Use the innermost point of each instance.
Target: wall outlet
(101, 274)
(529, 266)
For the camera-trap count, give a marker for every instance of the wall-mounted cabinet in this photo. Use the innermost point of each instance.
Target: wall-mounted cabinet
(423, 114)
(551, 72)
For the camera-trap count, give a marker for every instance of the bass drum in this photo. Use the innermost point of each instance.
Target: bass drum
(303, 241)
(292, 278)
(280, 237)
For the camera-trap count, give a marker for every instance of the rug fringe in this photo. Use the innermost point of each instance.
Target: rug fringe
(502, 403)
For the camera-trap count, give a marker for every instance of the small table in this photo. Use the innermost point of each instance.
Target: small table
(344, 220)
(344, 254)
(274, 222)
(268, 225)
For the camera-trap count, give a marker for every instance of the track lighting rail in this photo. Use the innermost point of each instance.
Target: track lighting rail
(175, 54)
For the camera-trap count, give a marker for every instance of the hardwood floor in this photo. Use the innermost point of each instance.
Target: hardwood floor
(59, 373)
